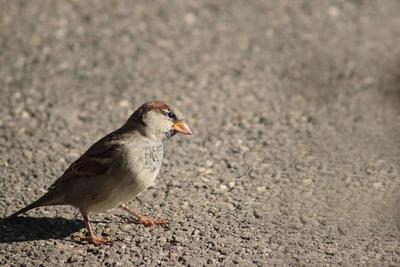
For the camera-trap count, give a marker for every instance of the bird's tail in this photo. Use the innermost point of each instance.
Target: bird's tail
(46, 200)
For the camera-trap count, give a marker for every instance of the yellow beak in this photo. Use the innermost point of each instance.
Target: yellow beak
(181, 127)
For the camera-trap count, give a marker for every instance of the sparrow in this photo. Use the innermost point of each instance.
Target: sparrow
(117, 168)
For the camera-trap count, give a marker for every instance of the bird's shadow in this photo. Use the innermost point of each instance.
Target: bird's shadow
(22, 229)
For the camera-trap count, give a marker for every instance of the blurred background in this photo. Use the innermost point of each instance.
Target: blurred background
(294, 107)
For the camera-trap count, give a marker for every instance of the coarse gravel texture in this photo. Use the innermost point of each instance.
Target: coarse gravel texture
(295, 109)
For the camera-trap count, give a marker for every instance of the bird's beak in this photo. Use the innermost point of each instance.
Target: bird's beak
(181, 127)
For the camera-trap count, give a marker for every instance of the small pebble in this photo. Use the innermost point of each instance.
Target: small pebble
(123, 103)
(223, 187)
(333, 12)
(189, 18)
(377, 185)
(261, 188)
(257, 215)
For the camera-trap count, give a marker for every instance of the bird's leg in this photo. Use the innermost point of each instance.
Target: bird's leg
(141, 219)
(90, 237)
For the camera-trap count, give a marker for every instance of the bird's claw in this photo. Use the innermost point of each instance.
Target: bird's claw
(98, 241)
(149, 222)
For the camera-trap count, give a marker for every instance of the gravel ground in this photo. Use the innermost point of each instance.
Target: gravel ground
(294, 106)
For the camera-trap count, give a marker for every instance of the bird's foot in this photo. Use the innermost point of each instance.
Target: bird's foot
(98, 241)
(149, 222)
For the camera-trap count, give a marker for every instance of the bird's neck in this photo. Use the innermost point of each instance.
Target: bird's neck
(141, 130)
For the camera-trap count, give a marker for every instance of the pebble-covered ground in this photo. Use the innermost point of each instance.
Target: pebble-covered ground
(295, 109)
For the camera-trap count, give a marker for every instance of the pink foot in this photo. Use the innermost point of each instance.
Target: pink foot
(98, 241)
(149, 222)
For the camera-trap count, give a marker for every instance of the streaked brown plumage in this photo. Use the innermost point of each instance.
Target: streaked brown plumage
(118, 167)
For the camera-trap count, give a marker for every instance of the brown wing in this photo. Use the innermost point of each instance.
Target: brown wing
(96, 161)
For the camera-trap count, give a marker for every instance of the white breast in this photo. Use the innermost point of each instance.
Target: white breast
(144, 162)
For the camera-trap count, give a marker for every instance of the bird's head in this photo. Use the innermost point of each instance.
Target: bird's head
(158, 120)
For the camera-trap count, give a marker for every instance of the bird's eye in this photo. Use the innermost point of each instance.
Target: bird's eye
(171, 115)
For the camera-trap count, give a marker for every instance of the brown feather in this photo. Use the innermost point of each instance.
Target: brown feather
(95, 161)
(146, 107)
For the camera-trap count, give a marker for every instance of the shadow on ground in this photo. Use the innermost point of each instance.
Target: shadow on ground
(29, 228)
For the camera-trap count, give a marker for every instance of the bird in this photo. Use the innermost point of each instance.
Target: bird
(117, 168)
